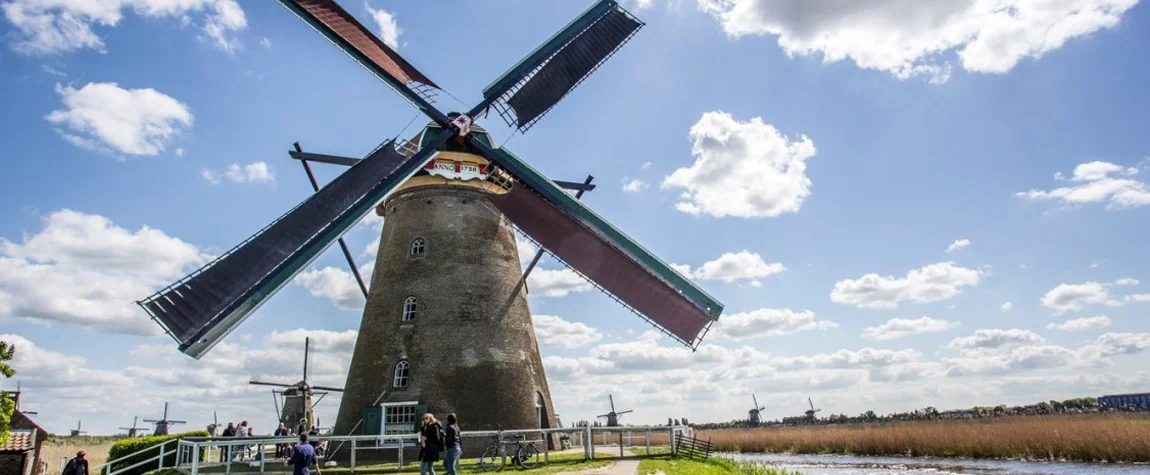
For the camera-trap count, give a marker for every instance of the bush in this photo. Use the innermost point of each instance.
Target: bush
(136, 444)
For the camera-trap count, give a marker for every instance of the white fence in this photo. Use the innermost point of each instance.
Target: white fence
(252, 455)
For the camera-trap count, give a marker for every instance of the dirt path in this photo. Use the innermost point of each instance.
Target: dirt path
(629, 466)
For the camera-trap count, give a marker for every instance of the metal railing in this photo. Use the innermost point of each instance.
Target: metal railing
(196, 454)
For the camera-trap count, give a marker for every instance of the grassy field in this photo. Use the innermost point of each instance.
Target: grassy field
(56, 448)
(1086, 437)
(714, 466)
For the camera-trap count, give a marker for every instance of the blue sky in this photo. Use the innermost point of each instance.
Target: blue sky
(829, 160)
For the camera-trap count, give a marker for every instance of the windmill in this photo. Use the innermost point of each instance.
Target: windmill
(810, 413)
(754, 416)
(211, 428)
(77, 432)
(164, 423)
(613, 416)
(451, 198)
(133, 431)
(297, 398)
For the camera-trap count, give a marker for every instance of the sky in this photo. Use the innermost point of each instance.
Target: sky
(900, 204)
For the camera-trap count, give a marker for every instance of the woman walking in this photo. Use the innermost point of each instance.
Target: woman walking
(453, 442)
(430, 443)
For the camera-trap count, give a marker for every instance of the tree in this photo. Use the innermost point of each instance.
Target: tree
(7, 406)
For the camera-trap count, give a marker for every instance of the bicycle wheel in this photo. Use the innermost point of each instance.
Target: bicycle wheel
(528, 456)
(492, 459)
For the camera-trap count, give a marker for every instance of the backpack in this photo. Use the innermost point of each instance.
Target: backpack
(441, 443)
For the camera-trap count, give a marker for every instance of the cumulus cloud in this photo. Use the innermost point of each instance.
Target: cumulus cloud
(731, 267)
(1073, 297)
(742, 169)
(958, 245)
(389, 30)
(984, 36)
(104, 116)
(54, 27)
(556, 283)
(634, 185)
(1128, 281)
(1080, 324)
(559, 333)
(995, 338)
(1097, 182)
(337, 285)
(929, 283)
(766, 322)
(82, 269)
(896, 328)
(255, 172)
(1007, 307)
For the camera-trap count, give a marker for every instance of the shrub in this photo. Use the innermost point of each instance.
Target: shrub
(136, 444)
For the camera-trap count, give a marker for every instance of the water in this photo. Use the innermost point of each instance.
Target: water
(852, 465)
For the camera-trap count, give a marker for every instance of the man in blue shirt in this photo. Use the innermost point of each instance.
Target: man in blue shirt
(303, 457)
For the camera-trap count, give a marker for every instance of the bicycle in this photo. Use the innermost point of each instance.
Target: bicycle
(495, 456)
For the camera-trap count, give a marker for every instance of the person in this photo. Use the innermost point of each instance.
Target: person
(453, 442)
(229, 431)
(77, 466)
(282, 449)
(302, 458)
(301, 428)
(242, 431)
(430, 442)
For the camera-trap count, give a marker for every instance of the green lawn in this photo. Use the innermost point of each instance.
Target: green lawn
(713, 466)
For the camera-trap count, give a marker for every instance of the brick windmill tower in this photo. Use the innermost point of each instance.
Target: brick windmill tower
(446, 327)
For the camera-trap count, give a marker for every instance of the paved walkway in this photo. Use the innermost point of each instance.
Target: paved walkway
(628, 466)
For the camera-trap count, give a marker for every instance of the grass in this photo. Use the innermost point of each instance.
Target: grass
(1085, 437)
(56, 448)
(712, 466)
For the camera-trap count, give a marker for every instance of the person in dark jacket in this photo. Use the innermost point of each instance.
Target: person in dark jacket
(429, 444)
(229, 431)
(77, 466)
(453, 442)
(303, 457)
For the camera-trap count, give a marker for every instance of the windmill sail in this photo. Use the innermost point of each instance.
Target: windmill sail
(533, 86)
(341, 28)
(593, 247)
(201, 309)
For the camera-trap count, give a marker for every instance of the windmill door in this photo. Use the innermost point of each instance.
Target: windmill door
(372, 420)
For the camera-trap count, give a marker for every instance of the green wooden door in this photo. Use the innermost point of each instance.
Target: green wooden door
(372, 420)
(420, 410)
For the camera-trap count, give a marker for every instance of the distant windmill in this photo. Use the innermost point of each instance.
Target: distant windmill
(811, 412)
(133, 431)
(213, 426)
(163, 424)
(613, 416)
(77, 432)
(297, 398)
(754, 415)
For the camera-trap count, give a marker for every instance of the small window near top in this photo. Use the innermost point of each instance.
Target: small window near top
(401, 369)
(410, 306)
(418, 246)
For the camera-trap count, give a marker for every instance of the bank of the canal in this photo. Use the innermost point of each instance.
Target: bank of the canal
(856, 465)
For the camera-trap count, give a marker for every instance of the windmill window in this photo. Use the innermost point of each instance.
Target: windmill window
(418, 247)
(401, 369)
(410, 306)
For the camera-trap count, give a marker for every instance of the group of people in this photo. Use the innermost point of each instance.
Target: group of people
(233, 430)
(434, 438)
(284, 450)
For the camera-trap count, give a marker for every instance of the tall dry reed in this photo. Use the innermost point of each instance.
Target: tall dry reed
(1082, 437)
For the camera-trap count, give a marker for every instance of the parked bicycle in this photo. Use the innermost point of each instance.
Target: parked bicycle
(495, 456)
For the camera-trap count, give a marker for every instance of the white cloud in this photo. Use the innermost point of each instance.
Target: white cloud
(49, 370)
(1073, 297)
(81, 269)
(321, 340)
(986, 36)
(179, 152)
(1137, 298)
(60, 26)
(896, 328)
(844, 359)
(559, 333)
(1127, 281)
(389, 30)
(995, 338)
(101, 116)
(1080, 324)
(1007, 307)
(256, 172)
(732, 266)
(556, 283)
(1097, 182)
(265, 42)
(634, 185)
(645, 166)
(958, 245)
(337, 285)
(742, 169)
(929, 283)
(766, 322)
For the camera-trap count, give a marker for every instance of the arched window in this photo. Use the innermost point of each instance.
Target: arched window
(538, 399)
(409, 308)
(400, 380)
(418, 246)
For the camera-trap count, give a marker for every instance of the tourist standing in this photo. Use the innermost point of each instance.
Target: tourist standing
(453, 442)
(303, 457)
(229, 431)
(282, 449)
(77, 466)
(430, 443)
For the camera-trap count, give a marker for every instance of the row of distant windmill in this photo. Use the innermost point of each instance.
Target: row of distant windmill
(754, 416)
(160, 426)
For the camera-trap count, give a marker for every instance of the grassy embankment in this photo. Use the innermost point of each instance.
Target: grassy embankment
(57, 447)
(1085, 437)
(713, 466)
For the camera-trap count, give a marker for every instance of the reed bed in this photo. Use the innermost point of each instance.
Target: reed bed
(1081, 437)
